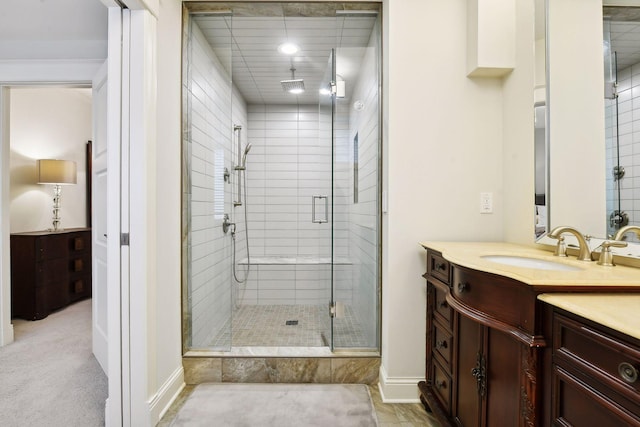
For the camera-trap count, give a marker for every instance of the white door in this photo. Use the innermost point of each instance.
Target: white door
(99, 218)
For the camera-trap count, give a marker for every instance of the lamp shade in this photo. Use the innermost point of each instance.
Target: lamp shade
(56, 171)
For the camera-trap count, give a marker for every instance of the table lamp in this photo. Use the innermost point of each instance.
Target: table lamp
(58, 173)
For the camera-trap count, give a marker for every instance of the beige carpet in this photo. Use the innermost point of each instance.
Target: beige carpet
(281, 405)
(49, 376)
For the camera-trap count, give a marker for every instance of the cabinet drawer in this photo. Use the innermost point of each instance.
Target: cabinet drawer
(442, 343)
(599, 355)
(442, 309)
(49, 248)
(442, 386)
(580, 405)
(437, 266)
(80, 264)
(79, 242)
(499, 297)
(51, 271)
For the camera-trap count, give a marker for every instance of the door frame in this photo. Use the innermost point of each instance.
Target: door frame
(19, 74)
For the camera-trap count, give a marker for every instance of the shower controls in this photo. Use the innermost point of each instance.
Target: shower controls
(226, 175)
(226, 224)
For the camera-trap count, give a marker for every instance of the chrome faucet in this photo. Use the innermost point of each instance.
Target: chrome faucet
(620, 233)
(585, 252)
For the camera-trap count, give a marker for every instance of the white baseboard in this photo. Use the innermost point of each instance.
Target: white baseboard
(165, 396)
(398, 389)
(7, 335)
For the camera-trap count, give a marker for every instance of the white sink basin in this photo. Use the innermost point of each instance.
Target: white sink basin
(529, 262)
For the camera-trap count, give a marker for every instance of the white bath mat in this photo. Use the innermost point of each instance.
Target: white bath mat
(281, 405)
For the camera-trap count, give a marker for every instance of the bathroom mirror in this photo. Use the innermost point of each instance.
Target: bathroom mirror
(585, 186)
(540, 121)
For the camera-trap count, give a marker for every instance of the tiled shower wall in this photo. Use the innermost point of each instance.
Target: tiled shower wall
(207, 151)
(288, 164)
(629, 149)
(363, 220)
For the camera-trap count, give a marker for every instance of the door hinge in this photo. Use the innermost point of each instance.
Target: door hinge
(336, 309)
(124, 239)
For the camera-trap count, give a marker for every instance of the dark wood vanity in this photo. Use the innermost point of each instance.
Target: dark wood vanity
(498, 356)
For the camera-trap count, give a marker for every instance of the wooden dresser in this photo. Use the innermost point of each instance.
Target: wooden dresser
(49, 270)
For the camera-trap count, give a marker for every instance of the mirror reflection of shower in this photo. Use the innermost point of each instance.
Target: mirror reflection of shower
(241, 169)
(621, 53)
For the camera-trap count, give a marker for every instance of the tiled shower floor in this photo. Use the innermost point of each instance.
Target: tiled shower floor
(266, 326)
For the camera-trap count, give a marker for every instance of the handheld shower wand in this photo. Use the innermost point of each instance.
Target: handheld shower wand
(244, 156)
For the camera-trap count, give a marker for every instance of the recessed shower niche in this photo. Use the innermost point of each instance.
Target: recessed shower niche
(281, 176)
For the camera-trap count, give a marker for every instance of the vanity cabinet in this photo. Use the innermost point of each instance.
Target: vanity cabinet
(482, 355)
(593, 375)
(49, 270)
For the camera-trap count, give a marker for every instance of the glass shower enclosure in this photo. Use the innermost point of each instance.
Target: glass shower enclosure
(295, 179)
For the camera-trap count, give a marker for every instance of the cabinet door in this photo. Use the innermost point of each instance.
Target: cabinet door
(503, 356)
(468, 399)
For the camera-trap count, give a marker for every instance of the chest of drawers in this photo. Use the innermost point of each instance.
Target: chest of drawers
(49, 270)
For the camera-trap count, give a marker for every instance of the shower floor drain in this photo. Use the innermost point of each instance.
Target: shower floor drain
(291, 322)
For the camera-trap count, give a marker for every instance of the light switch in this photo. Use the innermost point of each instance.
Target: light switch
(486, 203)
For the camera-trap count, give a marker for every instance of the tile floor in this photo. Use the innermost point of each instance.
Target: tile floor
(266, 326)
(389, 414)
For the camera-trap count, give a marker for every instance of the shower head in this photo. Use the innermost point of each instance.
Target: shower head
(244, 155)
(293, 85)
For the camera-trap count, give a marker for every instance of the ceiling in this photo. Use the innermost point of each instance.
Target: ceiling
(625, 34)
(53, 29)
(247, 45)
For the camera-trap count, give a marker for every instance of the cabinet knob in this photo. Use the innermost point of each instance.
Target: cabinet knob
(443, 304)
(441, 384)
(463, 287)
(441, 266)
(441, 344)
(628, 372)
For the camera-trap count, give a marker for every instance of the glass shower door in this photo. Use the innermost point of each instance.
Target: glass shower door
(322, 200)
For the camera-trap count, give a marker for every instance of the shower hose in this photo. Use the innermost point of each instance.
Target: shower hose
(246, 236)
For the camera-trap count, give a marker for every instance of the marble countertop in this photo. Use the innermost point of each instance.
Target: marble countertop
(616, 311)
(470, 255)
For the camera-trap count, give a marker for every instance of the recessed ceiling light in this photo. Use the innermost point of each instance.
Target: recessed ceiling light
(288, 48)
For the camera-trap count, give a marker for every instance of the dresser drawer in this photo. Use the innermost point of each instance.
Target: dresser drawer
(437, 266)
(51, 271)
(47, 248)
(442, 385)
(499, 297)
(597, 354)
(441, 307)
(442, 344)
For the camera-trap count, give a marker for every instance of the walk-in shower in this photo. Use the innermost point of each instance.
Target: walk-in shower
(293, 177)
(622, 77)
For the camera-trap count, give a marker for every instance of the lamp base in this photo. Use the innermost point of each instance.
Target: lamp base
(56, 221)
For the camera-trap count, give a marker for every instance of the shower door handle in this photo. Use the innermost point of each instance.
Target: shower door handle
(313, 209)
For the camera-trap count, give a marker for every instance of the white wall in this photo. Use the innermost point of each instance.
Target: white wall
(166, 372)
(48, 123)
(443, 146)
(576, 105)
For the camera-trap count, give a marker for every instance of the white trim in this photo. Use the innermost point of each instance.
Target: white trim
(398, 389)
(6, 328)
(49, 71)
(168, 392)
